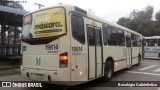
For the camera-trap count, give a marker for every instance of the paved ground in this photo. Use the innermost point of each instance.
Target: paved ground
(149, 70)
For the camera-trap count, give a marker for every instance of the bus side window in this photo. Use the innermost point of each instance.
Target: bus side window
(152, 42)
(112, 39)
(78, 28)
(91, 36)
(104, 29)
(128, 41)
(139, 41)
(120, 37)
(134, 40)
(158, 42)
(106, 33)
(146, 43)
(155, 44)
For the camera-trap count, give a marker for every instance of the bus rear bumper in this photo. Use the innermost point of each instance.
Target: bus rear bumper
(57, 77)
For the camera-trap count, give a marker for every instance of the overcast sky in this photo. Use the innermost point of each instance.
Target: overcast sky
(110, 10)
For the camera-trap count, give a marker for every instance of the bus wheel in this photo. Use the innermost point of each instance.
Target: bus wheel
(108, 71)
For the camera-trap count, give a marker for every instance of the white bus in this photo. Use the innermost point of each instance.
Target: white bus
(152, 47)
(65, 43)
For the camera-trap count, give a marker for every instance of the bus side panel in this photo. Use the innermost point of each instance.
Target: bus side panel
(135, 53)
(151, 52)
(79, 61)
(122, 57)
(108, 52)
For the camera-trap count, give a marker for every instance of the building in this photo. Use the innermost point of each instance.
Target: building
(10, 31)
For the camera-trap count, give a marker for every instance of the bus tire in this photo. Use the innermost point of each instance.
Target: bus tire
(108, 71)
(159, 55)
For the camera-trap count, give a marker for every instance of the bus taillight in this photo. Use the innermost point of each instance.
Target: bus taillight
(63, 58)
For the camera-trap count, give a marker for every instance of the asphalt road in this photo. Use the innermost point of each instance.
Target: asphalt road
(149, 70)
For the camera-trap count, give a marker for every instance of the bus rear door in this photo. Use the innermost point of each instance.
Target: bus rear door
(129, 50)
(94, 51)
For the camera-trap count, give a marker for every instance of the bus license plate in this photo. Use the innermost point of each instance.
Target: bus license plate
(39, 76)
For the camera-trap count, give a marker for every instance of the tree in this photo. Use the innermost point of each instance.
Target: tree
(157, 16)
(132, 25)
(133, 14)
(149, 12)
(123, 21)
(141, 21)
(146, 27)
(144, 14)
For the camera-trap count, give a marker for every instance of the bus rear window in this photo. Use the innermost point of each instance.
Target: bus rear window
(45, 23)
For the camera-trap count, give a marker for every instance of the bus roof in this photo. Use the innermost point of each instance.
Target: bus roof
(152, 37)
(72, 8)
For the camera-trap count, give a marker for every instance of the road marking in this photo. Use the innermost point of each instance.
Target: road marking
(157, 70)
(148, 67)
(144, 73)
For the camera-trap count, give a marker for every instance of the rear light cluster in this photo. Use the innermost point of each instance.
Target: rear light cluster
(63, 58)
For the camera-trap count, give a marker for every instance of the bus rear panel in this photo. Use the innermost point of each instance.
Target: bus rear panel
(46, 46)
